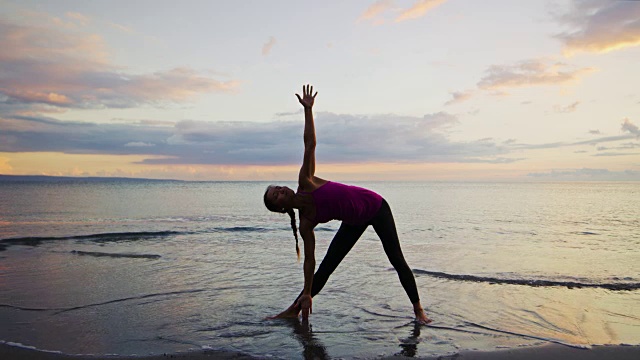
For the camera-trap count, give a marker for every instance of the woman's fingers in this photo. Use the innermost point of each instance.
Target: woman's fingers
(306, 99)
(307, 90)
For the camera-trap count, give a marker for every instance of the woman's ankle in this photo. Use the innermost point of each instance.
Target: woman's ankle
(417, 306)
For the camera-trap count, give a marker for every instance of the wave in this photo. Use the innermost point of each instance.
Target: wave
(320, 228)
(62, 310)
(123, 236)
(585, 233)
(559, 342)
(170, 293)
(240, 229)
(129, 236)
(543, 283)
(115, 255)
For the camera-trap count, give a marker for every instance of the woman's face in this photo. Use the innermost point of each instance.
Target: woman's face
(280, 195)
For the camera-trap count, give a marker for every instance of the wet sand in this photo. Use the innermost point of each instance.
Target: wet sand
(8, 352)
(547, 352)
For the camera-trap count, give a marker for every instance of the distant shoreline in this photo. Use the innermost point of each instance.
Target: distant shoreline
(52, 178)
(44, 178)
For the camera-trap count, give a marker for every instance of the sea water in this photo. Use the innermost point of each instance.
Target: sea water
(152, 267)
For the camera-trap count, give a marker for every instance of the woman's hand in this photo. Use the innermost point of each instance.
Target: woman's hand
(307, 99)
(304, 303)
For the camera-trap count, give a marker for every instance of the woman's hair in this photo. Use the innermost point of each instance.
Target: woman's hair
(273, 207)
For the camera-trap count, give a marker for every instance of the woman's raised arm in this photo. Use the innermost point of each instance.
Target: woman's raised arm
(308, 168)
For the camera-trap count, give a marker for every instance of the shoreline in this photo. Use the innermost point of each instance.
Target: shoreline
(546, 351)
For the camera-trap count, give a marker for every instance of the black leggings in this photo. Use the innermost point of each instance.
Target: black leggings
(347, 236)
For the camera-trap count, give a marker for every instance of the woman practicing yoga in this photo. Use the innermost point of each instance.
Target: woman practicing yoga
(319, 201)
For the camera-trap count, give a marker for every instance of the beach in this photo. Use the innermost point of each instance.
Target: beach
(549, 352)
(193, 269)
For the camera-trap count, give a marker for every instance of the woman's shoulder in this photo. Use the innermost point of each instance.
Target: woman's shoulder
(310, 184)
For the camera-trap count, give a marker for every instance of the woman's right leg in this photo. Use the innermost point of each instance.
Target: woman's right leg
(342, 242)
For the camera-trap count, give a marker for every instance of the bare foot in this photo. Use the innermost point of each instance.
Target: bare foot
(422, 318)
(291, 312)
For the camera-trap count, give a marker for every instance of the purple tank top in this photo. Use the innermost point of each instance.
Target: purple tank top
(351, 204)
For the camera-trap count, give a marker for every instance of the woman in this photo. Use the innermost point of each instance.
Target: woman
(319, 201)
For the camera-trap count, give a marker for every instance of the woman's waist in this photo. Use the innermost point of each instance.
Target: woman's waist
(348, 210)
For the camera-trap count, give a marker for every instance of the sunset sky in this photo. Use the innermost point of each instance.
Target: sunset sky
(407, 90)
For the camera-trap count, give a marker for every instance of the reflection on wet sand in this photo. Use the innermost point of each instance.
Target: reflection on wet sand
(409, 346)
(312, 347)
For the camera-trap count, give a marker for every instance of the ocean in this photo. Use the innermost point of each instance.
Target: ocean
(152, 267)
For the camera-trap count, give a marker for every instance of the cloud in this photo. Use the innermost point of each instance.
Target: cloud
(290, 113)
(628, 126)
(598, 140)
(26, 96)
(526, 73)
(266, 48)
(120, 27)
(372, 12)
(615, 154)
(419, 9)
(138, 144)
(342, 138)
(45, 45)
(566, 109)
(600, 26)
(629, 146)
(80, 18)
(587, 174)
(44, 65)
(592, 142)
(530, 73)
(460, 96)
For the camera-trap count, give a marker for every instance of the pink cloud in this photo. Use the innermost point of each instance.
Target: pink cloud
(266, 49)
(81, 19)
(566, 109)
(37, 97)
(59, 67)
(373, 11)
(498, 79)
(460, 96)
(419, 9)
(530, 73)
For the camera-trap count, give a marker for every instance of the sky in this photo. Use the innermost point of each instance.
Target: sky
(451, 90)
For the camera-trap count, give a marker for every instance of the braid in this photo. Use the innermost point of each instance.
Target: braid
(292, 215)
(272, 207)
